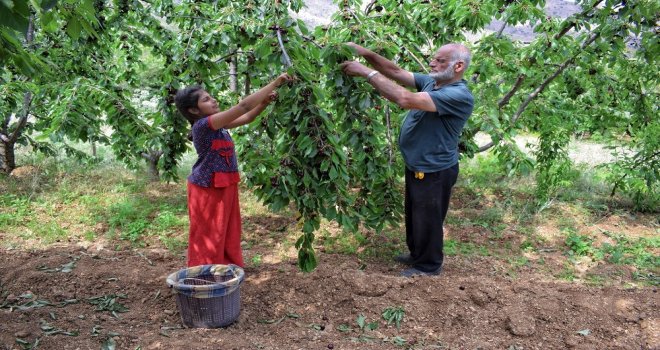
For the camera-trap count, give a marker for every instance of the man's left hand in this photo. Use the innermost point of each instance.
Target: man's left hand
(354, 68)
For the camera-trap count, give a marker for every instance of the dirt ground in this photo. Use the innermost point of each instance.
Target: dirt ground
(472, 305)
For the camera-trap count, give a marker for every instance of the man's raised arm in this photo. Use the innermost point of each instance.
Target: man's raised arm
(385, 66)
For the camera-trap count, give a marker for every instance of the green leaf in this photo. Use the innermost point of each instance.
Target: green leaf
(15, 15)
(361, 321)
(333, 173)
(302, 27)
(49, 22)
(73, 28)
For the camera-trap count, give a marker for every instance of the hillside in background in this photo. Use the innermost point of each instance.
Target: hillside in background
(318, 12)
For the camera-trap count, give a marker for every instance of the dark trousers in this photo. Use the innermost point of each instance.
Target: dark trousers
(426, 205)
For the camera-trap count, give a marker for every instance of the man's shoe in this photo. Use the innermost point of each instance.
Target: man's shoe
(412, 272)
(404, 259)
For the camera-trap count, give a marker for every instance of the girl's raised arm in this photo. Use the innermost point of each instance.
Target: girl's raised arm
(224, 118)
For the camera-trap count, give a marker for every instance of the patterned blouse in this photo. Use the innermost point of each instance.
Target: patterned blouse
(216, 165)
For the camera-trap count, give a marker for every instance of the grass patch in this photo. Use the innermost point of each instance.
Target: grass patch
(175, 244)
(636, 252)
(491, 218)
(482, 174)
(76, 202)
(579, 245)
(256, 260)
(46, 232)
(454, 247)
(342, 242)
(595, 280)
(567, 274)
(128, 219)
(15, 210)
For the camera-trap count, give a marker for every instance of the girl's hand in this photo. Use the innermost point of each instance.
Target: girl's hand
(283, 78)
(271, 97)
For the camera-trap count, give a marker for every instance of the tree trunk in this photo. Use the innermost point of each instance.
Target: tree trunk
(7, 142)
(7, 160)
(152, 159)
(152, 170)
(233, 79)
(251, 61)
(7, 139)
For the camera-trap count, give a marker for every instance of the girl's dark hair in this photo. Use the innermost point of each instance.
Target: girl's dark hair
(187, 98)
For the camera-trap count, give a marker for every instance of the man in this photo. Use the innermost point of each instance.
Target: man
(428, 142)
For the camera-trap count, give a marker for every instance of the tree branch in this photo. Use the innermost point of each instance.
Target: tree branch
(29, 36)
(22, 121)
(552, 77)
(389, 134)
(486, 147)
(287, 60)
(413, 55)
(151, 156)
(312, 41)
(516, 86)
(230, 74)
(389, 37)
(499, 32)
(369, 6)
(573, 23)
(232, 54)
(505, 100)
(537, 91)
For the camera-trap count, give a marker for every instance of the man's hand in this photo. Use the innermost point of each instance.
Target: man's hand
(354, 68)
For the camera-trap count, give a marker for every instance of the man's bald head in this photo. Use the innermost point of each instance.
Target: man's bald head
(458, 53)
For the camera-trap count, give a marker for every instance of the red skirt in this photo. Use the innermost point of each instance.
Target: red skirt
(215, 225)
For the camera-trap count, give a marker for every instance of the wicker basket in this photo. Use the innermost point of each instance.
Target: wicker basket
(208, 296)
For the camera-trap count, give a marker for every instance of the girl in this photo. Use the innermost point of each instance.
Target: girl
(213, 208)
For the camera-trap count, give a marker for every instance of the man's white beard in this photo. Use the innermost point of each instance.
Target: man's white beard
(445, 75)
